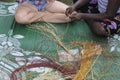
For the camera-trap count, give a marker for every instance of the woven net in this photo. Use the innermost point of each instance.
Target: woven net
(33, 52)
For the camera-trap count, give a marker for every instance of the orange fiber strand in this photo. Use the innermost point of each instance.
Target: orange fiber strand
(89, 50)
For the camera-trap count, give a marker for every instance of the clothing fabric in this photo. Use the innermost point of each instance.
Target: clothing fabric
(40, 4)
(111, 26)
(102, 4)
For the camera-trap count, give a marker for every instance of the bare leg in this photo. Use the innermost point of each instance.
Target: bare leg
(27, 13)
(56, 7)
(97, 28)
(54, 17)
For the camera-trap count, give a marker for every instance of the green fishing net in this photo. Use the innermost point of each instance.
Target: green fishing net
(22, 45)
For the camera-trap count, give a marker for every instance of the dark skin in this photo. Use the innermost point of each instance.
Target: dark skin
(112, 7)
(110, 12)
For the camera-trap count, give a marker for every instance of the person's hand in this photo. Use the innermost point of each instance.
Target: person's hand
(75, 16)
(69, 10)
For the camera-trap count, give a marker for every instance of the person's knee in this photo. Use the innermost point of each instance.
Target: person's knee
(21, 18)
(100, 32)
(98, 29)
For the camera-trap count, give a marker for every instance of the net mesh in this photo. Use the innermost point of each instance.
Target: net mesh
(24, 48)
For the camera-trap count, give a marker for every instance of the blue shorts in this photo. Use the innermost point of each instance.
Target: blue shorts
(40, 4)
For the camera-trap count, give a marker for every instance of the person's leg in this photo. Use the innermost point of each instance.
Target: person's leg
(56, 7)
(54, 17)
(27, 13)
(105, 27)
(97, 28)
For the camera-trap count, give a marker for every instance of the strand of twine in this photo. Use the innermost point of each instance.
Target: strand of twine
(53, 34)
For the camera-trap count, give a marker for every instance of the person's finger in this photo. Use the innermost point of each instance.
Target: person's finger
(72, 18)
(73, 14)
(67, 11)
